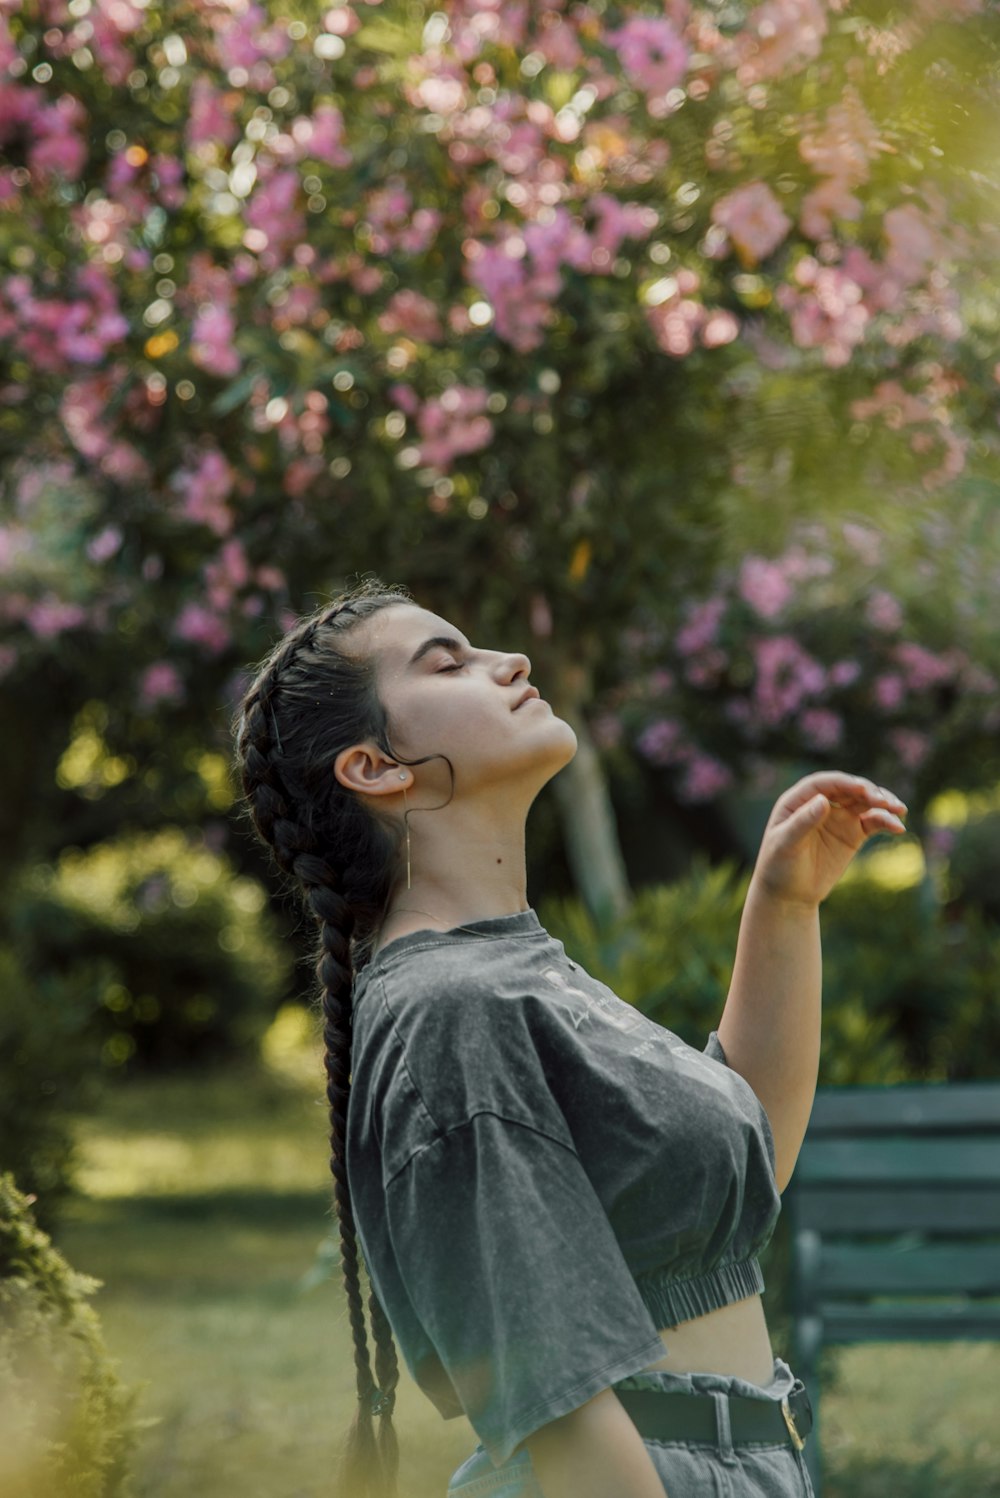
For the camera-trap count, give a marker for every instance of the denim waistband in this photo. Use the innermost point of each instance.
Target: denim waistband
(780, 1385)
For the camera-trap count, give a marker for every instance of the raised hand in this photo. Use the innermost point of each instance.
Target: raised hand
(815, 830)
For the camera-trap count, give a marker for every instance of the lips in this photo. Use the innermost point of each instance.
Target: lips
(531, 695)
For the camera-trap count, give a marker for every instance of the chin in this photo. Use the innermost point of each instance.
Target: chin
(568, 741)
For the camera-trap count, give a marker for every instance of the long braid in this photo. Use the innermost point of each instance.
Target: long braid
(343, 862)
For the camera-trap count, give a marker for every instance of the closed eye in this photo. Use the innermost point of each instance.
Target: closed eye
(441, 671)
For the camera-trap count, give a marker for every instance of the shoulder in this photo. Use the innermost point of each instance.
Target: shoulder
(470, 1024)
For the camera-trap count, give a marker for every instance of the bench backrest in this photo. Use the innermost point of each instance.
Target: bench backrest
(897, 1193)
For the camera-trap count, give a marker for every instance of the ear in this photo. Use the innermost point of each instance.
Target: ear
(365, 768)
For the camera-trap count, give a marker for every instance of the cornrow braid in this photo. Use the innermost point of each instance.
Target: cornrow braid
(308, 701)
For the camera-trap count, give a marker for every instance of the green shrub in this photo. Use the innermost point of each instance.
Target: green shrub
(49, 1070)
(908, 992)
(974, 866)
(67, 1427)
(190, 962)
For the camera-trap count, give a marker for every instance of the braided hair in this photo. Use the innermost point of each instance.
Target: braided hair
(308, 701)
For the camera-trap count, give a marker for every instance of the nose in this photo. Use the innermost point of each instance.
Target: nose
(513, 665)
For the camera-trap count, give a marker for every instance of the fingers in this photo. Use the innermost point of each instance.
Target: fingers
(852, 792)
(879, 820)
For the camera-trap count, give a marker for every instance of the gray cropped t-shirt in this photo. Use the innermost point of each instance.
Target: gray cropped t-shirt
(541, 1176)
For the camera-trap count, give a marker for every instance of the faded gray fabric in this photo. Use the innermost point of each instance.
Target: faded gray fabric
(541, 1176)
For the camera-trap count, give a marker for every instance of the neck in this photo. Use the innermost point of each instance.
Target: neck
(462, 869)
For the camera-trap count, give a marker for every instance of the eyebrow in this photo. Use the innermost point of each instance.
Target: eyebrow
(448, 642)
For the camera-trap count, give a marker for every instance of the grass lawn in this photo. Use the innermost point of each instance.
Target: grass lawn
(203, 1202)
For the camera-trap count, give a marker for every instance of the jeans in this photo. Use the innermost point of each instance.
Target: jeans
(688, 1469)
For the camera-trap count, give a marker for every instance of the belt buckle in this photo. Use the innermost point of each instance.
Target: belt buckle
(797, 1440)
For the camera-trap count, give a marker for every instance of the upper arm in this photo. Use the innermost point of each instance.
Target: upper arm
(591, 1451)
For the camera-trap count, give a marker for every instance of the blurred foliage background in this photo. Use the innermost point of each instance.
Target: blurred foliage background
(659, 341)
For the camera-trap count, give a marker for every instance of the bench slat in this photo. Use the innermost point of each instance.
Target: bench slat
(844, 1210)
(970, 1159)
(970, 1322)
(888, 1269)
(935, 1106)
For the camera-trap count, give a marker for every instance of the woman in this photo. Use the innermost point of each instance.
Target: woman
(560, 1204)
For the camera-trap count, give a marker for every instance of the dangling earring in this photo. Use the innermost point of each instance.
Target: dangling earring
(406, 824)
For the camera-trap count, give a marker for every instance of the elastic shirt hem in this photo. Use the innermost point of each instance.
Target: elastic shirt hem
(670, 1301)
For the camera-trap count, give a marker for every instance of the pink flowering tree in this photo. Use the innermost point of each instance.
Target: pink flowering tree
(544, 310)
(842, 650)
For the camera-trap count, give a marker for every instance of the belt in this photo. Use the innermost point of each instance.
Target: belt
(662, 1416)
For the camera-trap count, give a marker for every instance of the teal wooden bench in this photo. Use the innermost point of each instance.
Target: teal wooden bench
(895, 1222)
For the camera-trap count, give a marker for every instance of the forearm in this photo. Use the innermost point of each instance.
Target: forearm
(770, 1026)
(592, 1452)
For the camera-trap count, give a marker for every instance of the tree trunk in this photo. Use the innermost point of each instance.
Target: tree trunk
(585, 811)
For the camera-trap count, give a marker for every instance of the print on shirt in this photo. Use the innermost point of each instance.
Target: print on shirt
(623, 1017)
(614, 1012)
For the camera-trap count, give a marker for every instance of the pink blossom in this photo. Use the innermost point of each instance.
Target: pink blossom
(820, 207)
(889, 691)
(51, 616)
(922, 668)
(270, 578)
(846, 145)
(453, 424)
(557, 41)
(243, 39)
(200, 626)
(660, 741)
(753, 219)
(702, 626)
(844, 673)
(212, 334)
(226, 575)
(342, 20)
(821, 728)
(786, 676)
(676, 321)
(412, 314)
(764, 587)
(301, 474)
(105, 544)
(211, 117)
(522, 300)
(829, 313)
(615, 222)
(911, 746)
(781, 37)
(914, 243)
(298, 306)
(704, 778)
(322, 136)
(58, 142)
(720, 327)
(84, 411)
(883, 611)
(110, 23)
(274, 215)
(160, 682)
(168, 175)
(652, 54)
(477, 23)
(205, 488)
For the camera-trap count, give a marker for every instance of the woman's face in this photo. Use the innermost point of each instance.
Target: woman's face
(445, 696)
